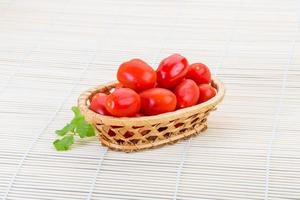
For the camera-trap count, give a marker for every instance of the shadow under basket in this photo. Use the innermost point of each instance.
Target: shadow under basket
(136, 133)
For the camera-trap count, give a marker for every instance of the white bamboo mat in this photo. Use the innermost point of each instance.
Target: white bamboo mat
(51, 50)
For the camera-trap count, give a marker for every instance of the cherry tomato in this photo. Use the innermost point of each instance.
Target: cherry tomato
(206, 92)
(187, 93)
(98, 103)
(123, 102)
(137, 75)
(199, 73)
(157, 100)
(171, 71)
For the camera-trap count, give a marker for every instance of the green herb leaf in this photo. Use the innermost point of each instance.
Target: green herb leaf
(77, 127)
(85, 130)
(64, 144)
(66, 129)
(76, 111)
(77, 116)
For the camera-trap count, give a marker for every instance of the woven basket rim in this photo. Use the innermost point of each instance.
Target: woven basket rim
(84, 97)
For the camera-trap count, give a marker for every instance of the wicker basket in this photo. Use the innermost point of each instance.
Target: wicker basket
(132, 134)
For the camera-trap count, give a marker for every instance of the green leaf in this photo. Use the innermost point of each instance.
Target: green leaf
(76, 111)
(77, 120)
(64, 144)
(66, 129)
(85, 130)
(77, 127)
(77, 116)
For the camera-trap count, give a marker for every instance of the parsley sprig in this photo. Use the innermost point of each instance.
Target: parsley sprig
(77, 127)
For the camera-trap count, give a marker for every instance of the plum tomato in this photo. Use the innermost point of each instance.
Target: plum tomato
(206, 92)
(157, 100)
(200, 73)
(187, 93)
(98, 103)
(137, 75)
(123, 102)
(171, 71)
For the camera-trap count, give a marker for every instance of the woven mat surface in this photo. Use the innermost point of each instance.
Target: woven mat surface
(51, 50)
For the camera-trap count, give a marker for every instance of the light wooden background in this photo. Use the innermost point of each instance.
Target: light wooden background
(51, 50)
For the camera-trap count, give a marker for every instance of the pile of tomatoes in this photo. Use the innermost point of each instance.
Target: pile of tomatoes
(142, 91)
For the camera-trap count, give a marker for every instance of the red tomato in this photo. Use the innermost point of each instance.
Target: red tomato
(187, 93)
(206, 92)
(171, 71)
(157, 100)
(123, 102)
(98, 104)
(199, 73)
(137, 75)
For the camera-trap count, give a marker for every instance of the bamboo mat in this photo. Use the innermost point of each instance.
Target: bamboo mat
(51, 50)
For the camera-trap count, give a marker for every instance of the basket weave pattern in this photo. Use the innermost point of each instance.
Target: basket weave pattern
(132, 134)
